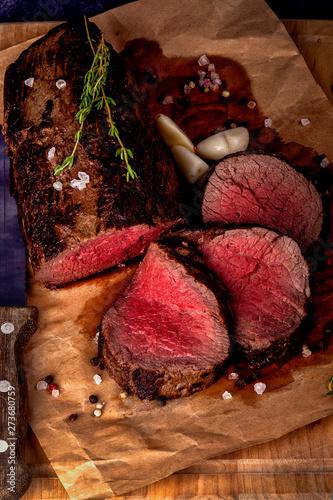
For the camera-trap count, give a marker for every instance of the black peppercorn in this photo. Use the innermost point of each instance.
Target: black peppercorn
(161, 400)
(93, 399)
(48, 379)
(94, 361)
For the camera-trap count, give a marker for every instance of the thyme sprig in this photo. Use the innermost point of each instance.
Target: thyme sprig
(330, 387)
(93, 94)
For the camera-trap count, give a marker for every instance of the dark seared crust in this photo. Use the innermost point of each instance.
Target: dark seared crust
(41, 117)
(171, 383)
(153, 383)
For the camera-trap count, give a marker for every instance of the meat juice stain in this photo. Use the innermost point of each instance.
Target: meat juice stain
(201, 114)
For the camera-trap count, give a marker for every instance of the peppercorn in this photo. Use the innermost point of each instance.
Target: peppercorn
(123, 394)
(191, 84)
(94, 361)
(52, 387)
(93, 399)
(161, 400)
(48, 379)
(72, 417)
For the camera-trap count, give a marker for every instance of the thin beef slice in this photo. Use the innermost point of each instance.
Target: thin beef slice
(263, 189)
(167, 334)
(74, 233)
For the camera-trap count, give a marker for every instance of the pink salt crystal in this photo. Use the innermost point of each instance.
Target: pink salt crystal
(233, 376)
(203, 60)
(306, 353)
(305, 121)
(201, 73)
(226, 395)
(217, 81)
(207, 82)
(268, 122)
(215, 86)
(29, 82)
(187, 89)
(259, 387)
(55, 393)
(42, 385)
(168, 100)
(211, 67)
(325, 162)
(214, 75)
(201, 82)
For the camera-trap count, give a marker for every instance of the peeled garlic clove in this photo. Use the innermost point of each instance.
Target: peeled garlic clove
(191, 166)
(171, 134)
(224, 143)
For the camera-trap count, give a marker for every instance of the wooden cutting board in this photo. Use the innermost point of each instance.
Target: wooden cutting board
(296, 466)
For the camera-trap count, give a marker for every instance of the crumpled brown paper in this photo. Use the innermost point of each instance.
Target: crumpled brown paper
(137, 442)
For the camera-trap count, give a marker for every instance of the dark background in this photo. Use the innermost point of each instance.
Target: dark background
(59, 10)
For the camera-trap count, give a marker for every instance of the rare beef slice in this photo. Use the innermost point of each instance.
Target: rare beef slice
(267, 280)
(167, 334)
(263, 189)
(73, 233)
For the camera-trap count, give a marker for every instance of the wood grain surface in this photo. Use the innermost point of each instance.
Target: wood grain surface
(296, 466)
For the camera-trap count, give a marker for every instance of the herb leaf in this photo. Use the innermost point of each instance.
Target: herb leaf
(93, 94)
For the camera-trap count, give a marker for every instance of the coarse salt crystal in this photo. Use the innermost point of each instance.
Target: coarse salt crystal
(60, 83)
(201, 74)
(201, 81)
(214, 75)
(57, 185)
(305, 121)
(233, 376)
(50, 154)
(203, 60)
(325, 162)
(211, 67)
(95, 339)
(207, 82)
(251, 104)
(268, 122)
(83, 176)
(217, 81)
(215, 86)
(226, 395)
(29, 82)
(259, 387)
(306, 353)
(187, 89)
(42, 385)
(55, 393)
(168, 100)
(78, 183)
(98, 379)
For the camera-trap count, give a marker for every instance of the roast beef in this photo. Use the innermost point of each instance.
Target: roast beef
(263, 189)
(267, 279)
(73, 233)
(167, 334)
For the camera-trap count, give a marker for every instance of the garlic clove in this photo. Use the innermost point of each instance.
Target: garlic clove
(224, 143)
(171, 134)
(191, 166)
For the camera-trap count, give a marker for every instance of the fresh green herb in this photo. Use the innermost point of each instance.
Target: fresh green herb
(330, 387)
(93, 94)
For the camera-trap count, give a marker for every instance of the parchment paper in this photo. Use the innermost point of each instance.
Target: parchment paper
(135, 442)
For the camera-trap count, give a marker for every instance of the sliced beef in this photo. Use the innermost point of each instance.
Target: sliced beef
(167, 334)
(267, 279)
(74, 233)
(263, 189)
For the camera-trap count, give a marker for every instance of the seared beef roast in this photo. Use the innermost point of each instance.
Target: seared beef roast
(268, 282)
(73, 233)
(263, 189)
(166, 335)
